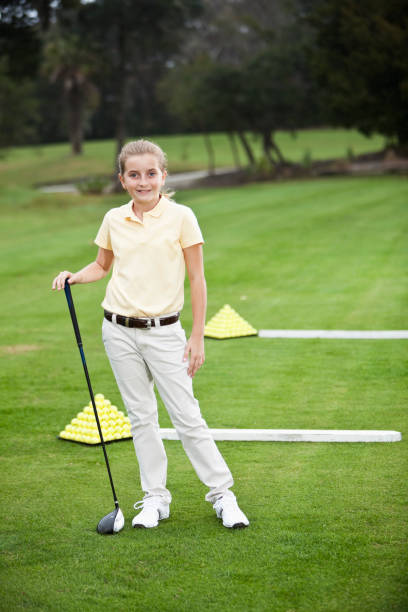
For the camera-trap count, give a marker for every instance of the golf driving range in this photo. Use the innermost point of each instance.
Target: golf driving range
(328, 525)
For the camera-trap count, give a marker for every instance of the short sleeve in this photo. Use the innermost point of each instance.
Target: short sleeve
(190, 230)
(103, 236)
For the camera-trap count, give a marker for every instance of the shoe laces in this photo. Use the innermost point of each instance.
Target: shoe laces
(228, 502)
(148, 502)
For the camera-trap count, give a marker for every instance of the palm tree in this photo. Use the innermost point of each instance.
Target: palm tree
(67, 60)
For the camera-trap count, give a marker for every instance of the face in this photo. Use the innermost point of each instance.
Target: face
(142, 178)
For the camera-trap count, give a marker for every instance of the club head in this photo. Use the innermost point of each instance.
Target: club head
(111, 523)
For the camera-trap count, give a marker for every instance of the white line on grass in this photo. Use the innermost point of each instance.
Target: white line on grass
(341, 334)
(295, 435)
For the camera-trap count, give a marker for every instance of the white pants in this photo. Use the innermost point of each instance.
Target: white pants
(140, 358)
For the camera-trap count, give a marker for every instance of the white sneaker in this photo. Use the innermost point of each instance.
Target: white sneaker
(153, 510)
(226, 507)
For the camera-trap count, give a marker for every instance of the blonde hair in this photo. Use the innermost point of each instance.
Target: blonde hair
(141, 147)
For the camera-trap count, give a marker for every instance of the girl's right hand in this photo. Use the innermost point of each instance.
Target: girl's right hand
(59, 281)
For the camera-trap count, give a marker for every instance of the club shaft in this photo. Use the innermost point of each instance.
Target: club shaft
(72, 312)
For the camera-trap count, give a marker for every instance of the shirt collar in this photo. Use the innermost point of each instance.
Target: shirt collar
(155, 212)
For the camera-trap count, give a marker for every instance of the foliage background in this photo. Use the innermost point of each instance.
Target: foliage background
(106, 69)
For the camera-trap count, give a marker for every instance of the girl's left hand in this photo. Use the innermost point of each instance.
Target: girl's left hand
(194, 348)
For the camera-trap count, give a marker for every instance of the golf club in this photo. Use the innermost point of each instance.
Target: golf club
(114, 521)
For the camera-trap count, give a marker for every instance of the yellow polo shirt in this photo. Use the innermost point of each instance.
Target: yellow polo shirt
(149, 268)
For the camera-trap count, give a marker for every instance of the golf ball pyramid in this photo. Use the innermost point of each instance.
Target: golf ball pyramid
(83, 428)
(228, 324)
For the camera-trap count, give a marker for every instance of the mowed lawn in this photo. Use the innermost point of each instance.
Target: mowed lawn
(54, 163)
(328, 521)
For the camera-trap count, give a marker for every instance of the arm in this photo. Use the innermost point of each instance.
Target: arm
(193, 257)
(94, 271)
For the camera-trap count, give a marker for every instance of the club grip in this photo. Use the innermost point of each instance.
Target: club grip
(68, 295)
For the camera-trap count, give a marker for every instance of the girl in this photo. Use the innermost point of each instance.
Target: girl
(150, 241)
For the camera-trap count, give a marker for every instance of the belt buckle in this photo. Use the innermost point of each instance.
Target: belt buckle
(126, 321)
(148, 324)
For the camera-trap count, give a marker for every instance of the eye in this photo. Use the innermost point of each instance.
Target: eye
(152, 172)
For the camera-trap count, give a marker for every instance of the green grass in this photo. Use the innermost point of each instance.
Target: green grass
(328, 521)
(54, 163)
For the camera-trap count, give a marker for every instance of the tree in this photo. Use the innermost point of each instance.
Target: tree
(185, 91)
(361, 61)
(222, 94)
(24, 29)
(29, 13)
(68, 61)
(18, 109)
(138, 37)
(269, 89)
(277, 94)
(20, 51)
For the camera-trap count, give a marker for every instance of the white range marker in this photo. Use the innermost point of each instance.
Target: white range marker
(296, 435)
(337, 334)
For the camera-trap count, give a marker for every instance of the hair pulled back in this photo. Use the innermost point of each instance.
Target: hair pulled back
(141, 147)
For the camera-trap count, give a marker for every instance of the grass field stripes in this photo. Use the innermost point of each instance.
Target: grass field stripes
(328, 528)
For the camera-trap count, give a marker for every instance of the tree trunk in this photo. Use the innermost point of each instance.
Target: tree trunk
(210, 152)
(75, 118)
(44, 10)
(234, 149)
(402, 140)
(277, 150)
(267, 145)
(121, 91)
(120, 128)
(120, 138)
(247, 148)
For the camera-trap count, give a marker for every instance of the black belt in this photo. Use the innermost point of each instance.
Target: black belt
(141, 323)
